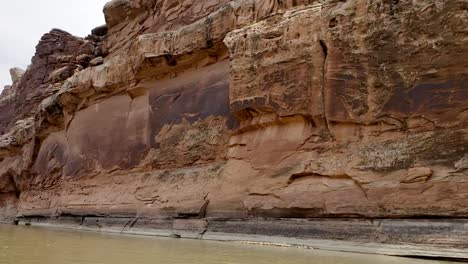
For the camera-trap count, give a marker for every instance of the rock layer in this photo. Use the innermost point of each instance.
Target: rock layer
(244, 109)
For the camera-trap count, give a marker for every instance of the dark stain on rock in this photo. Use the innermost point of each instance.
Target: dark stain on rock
(429, 97)
(333, 23)
(170, 59)
(191, 99)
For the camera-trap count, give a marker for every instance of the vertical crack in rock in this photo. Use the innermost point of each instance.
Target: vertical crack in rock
(203, 208)
(324, 47)
(35, 153)
(130, 223)
(208, 32)
(203, 232)
(202, 214)
(67, 126)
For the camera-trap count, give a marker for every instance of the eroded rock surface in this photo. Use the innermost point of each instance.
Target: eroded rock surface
(241, 109)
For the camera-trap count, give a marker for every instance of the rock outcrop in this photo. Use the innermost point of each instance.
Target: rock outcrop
(246, 109)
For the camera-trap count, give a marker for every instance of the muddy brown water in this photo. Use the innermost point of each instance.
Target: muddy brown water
(33, 245)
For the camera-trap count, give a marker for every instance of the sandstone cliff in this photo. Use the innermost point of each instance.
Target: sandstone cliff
(246, 109)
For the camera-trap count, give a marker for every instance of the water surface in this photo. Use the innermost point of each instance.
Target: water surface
(28, 245)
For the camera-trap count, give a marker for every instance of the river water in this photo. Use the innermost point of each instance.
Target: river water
(31, 245)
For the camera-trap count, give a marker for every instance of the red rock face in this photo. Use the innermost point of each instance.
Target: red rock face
(289, 109)
(55, 60)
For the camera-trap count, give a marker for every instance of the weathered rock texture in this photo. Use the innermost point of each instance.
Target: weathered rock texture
(216, 109)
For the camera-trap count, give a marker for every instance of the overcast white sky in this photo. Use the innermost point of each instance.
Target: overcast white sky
(23, 22)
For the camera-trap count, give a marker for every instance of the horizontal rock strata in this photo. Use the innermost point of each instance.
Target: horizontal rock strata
(217, 110)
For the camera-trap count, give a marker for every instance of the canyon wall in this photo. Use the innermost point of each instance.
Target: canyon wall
(244, 110)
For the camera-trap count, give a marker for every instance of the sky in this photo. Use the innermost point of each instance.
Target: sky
(23, 22)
